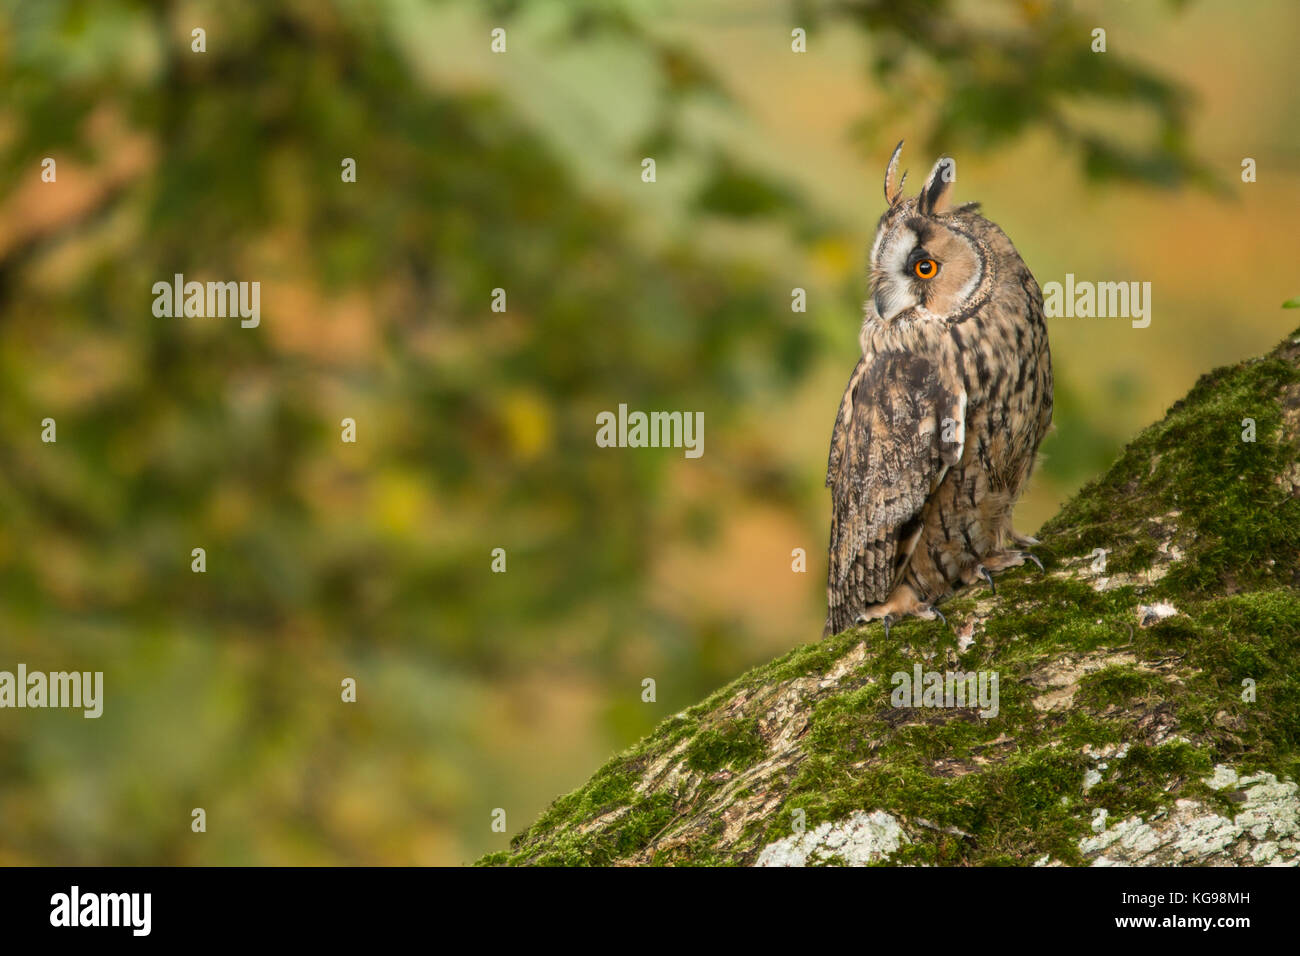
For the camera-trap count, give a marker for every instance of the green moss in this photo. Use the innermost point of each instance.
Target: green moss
(847, 724)
(610, 788)
(1146, 777)
(643, 821)
(1237, 527)
(737, 744)
(1014, 807)
(1138, 555)
(626, 834)
(1119, 686)
(1247, 637)
(806, 659)
(700, 851)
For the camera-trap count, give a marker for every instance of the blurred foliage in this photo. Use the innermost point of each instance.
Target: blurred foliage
(994, 83)
(994, 71)
(490, 416)
(475, 428)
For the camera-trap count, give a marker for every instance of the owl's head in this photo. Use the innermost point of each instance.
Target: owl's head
(928, 261)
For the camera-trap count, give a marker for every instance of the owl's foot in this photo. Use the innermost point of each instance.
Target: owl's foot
(927, 612)
(1000, 562)
(902, 603)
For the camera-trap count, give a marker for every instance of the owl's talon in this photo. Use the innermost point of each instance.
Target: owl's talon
(988, 578)
(1034, 558)
(887, 620)
(931, 609)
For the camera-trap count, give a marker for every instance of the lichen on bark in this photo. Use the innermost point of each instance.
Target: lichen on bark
(1149, 704)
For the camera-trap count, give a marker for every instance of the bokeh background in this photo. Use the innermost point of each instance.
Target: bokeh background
(476, 429)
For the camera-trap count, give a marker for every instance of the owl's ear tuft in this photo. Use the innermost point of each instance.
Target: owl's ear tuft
(937, 191)
(894, 185)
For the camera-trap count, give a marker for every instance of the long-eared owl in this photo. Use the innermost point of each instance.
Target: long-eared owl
(940, 424)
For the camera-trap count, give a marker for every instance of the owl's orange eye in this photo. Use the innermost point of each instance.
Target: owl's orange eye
(925, 268)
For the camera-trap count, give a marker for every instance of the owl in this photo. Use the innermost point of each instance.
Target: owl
(941, 421)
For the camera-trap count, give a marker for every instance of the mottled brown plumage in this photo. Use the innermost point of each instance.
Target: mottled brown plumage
(938, 429)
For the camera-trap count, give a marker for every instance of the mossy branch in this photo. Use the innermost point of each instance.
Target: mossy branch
(1149, 687)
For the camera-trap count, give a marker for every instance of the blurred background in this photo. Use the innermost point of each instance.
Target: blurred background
(475, 429)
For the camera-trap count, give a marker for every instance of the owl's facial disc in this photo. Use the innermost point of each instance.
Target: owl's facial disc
(923, 263)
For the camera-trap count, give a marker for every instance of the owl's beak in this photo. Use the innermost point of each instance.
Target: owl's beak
(879, 300)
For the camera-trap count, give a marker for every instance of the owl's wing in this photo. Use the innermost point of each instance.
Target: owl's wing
(888, 455)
